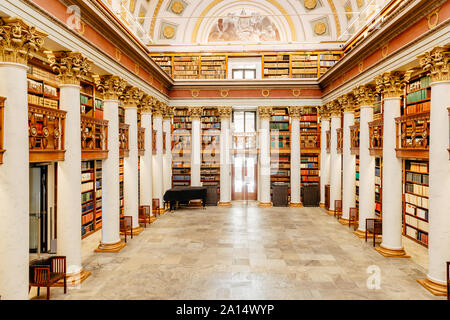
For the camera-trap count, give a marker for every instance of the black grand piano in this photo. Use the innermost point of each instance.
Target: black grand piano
(182, 195)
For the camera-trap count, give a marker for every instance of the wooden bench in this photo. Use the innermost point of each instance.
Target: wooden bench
(338, 208)
(375, 227)
(47, 272)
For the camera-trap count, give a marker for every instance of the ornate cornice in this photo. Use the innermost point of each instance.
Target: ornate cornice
(225, 112)
(364, 95)
(347, 102)
(70, 66)
(264, 112)
(111, 86)
(436, 63)
(132, 96)
(295, 111)
(392, 84)
(196, 112)
(18, 40)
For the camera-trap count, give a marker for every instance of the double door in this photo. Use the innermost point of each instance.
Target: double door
(244, 173)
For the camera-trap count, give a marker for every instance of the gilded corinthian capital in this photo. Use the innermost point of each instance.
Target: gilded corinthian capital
(196, 112)
(224, 112)
(265, 112)
(146, 103)
(168, 112)
(365, 95)
(19, 40)
(347, 102)
(111, 86)
(436, 63)
(157, 107)
(132, 96)
(295, 111)
(334, 108)
(70, 66)
(391, 84)
(324, 113)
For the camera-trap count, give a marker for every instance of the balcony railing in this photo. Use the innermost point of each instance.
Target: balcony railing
(376, 137)
(94, 138)
(141, 141)
(124, 150)
(46, 127)
(2, 105)
(339, 140)
(328, 135)
(354, 139)
(413, 136)
(309, 142)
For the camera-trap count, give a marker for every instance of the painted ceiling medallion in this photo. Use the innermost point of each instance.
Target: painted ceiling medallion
(310, 4)
(320, 28)
(168, 32)
(177, 7)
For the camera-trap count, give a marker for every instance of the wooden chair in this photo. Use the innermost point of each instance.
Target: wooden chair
(47, 272)
(448, 280)
(144, 214)
(374, 226)
(155, 204)
(353, 217)
(338, 208)
(126, 224)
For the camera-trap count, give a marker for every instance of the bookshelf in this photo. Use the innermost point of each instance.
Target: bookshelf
(42, 86)
(304, 66)
(181, 149)
(357, 181)
(378, 186)
(415, 200)
(210, 166)
(165, 62)
(186, 67)
(121, 188)
(213, 67)
(276, 65)
(327, 60)
(309, 131)
(280, 149)
(91, 197)
(418, 96)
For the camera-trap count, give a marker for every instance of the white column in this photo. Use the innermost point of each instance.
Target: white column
(335, 161)
(366, 171)
(196, 146)
(295, 158)
(264, 154)
(158, 182)
(324, 156)
(146, 159)
(167, 158)
(349, 167)
(225, 162)
(439, 172)
(130, 169)
(14, 184)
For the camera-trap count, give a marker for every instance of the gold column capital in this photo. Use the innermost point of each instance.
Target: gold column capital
(196, 112)
(131, 96)
(334, 108)
(168, 112)
(365, 95)
(225, 112)
(112, 86)
(265, 112)
(146, 103)
(157, 107)
(295, 111)
(70, 66)
(347, 101)
(436, 63)
(392, 84)
(324, 113)
(19, 40)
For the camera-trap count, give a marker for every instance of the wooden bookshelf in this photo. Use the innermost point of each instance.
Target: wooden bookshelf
(280, 149)
(304, 66)
(276, 65)
(153, 141)
(165, 62)
(213, 67)
(339, 137)
(357, 181)
(141, 140)
(327, 60)
(309, 131)
(378, 186)
(354, 139)
(181, 148)
(186, 67)
(210, 166)
(376, 137)
(121, 187)
(415, 200)
(91, 197)
(124, 150)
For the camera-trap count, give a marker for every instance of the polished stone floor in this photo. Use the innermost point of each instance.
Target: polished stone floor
(248, 253)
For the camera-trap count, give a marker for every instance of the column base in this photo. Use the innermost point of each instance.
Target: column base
(330, 212)
(392, 253)
(436, 288)
(343, 221)
(224, 204)
(152, 219)
(265, 204)
(74, 279)
(136, 231)
(362, 234)
(322, 205)
(296, 205)
(110, 247)
(161, 211)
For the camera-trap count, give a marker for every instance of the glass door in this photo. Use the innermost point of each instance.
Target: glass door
(38, 209)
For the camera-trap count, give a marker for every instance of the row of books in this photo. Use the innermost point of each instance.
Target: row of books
(418, 189)
(303, 57)
(416, 200)
(309, 159)
(417, 234)
(87, 196)
(87, 228)
(418, 95)
(276, 65)
(276, 58)
(378, 206)
(187, 59)
(310, 179)
(415, 211)
(211, 125)
(279, 125)
(41, 101)
(213, 58)
(416, 223)
(181, 177)
(418, 167)
(378, 180)
(308, 166)
(87, 218)
(303, 64)
(418, 108)
(87, 207)
(309, 172)
(86, 176)
(421, 83)
(86, 100)
(87, 186)
(276, 71)
(182, 125)
(41, 73)
(325, 63)
(417, 178)
(42, 88)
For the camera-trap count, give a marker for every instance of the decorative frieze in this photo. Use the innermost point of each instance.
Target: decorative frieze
(70, 66)
(111, 86)
(364, 95)
(19, 40)
(436, 63)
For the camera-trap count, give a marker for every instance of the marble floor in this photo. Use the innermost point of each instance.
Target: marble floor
(246, 252)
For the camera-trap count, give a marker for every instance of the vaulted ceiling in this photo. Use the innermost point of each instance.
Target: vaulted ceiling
(188, 25)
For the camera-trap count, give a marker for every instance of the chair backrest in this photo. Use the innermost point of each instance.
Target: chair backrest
(128, 221)
(41, 275)
(353, 212)
(58, 264)
(338, 204)
(155, 204)
(144, 210)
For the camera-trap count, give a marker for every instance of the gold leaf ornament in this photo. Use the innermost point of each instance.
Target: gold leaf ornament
(310, 4)
(320, 28)
(168, 32)
(177, 7)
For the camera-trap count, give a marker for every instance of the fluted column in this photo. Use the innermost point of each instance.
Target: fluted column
(436, 63)
(225, 160)
(335, 158)
(264, 156)
(146, 159)
(131, 98)
(366, 99)
(391, 85)
(167, 157)
(71, 66)
(14, 172)
(324, 155)
(196, 143)
(349, 163)
(295, 113)
(111, 87)
(158, 182)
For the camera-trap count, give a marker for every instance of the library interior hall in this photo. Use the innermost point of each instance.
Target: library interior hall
(229, 150)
